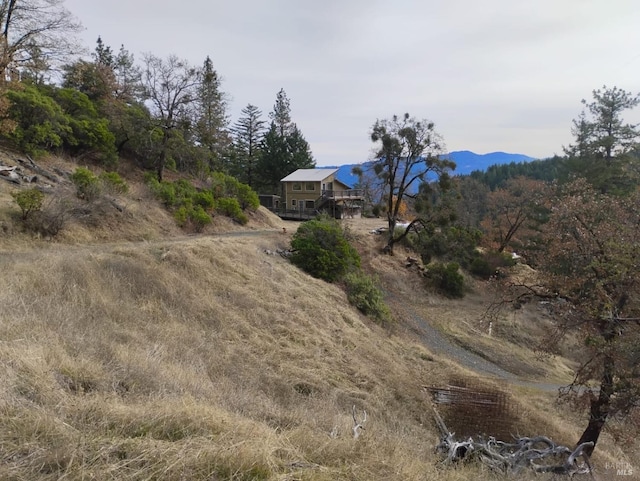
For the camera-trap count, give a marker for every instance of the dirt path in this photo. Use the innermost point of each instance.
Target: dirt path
(439, 344)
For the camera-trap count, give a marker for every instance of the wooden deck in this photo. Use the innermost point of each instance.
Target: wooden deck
(287, 214)
(331, 201)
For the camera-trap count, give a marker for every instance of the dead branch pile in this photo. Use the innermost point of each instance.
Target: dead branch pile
(17, 174)
(539, 453)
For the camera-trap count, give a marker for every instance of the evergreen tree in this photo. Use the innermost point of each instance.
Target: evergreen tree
(128, 77)
(211, 116)
(604, 143)
(284, 148)
(281, 114)
(247, 136)
(103, 55)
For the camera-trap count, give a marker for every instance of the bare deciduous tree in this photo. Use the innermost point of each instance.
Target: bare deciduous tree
(171, 89)
(28, 26)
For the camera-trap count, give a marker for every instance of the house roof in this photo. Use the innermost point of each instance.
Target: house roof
(309, 175)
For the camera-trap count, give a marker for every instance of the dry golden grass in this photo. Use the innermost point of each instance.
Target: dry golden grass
(210, 358)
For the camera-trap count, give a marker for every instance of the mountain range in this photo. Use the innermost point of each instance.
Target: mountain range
(466, 162)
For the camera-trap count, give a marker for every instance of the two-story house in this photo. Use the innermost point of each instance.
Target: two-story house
(310, 191)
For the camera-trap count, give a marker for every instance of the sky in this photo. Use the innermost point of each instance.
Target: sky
(494, 75)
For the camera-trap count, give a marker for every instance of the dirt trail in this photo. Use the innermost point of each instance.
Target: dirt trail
(439, 344)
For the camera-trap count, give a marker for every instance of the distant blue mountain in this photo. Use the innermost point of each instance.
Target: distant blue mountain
(466, 162)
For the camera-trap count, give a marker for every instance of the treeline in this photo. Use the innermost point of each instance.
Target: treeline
(546, 170)
(161, 113)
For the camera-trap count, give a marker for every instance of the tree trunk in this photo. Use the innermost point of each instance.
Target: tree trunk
(388, 249)
(163, 155)
(160, 164)
(600, 406)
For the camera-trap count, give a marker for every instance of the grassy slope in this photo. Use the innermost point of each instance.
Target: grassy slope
(209, 358)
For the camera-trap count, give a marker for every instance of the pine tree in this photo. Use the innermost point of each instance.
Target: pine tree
(103, 55)
(212, 120)
(128, 77)
(604, 143)
(284, 148)
(247, 136)
(281, 114)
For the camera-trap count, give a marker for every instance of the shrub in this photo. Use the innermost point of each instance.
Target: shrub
(247, 197)
(487, 264)
(87, 184)
(194, 215)
(223, 185)
(454, 244)
(88, 133)
(204, 199)
(231, 208)
(181, 215)
(364, 294)
(40, 123)
(50, 220)
(199, 218)
(167, 193)
(29, 201)
(480, 267)
(446, 279)
(185, 191)
(112, 182)
(321, 249)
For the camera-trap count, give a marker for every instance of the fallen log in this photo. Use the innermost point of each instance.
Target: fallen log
(31, 165)
(539, 453)
(9, 174)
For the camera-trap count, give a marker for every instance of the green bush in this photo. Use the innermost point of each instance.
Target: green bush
(199, 218)
(185, 191)
(364, 294)
(223, 185)
(87, 184)
(321, 249)
(193, 215)
(247, 197)
(29, 201)
(167, 193)
(230, 207)
(446, 279)
(492, 261)
(112, 182)
(204, 199)
(89, 133)
(192, 204)
(181, 215)
(454, 244)
(480, 267)
(40, 123)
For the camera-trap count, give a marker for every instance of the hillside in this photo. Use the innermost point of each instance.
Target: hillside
(134, 351)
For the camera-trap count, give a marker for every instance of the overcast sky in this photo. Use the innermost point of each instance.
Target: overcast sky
(494, 75)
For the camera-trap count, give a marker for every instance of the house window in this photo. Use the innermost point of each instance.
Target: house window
(310, 186)
(310, 204)
(293, 202)
(296, 186)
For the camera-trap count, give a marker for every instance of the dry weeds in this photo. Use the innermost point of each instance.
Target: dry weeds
(210, 358)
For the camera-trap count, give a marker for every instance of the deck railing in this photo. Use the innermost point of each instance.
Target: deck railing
(343, 194)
